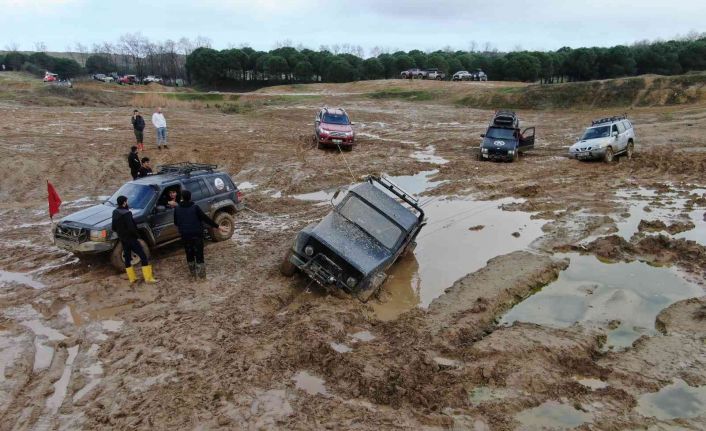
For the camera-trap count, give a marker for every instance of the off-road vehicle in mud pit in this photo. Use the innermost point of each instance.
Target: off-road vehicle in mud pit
(503, 139)
(605, 139)
(352, 247)
(88, 231)
(333, 128)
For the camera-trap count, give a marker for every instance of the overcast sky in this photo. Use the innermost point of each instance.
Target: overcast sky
(411, 24)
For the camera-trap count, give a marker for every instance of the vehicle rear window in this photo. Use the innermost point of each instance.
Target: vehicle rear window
(138, 195)
(596, 132)
(335, 119)
(371, 221)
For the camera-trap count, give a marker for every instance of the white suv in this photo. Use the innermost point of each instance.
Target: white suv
(605, 139)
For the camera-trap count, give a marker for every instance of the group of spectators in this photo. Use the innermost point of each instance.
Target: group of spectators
(188, 217)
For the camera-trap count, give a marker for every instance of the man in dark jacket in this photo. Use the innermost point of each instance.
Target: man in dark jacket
(189, 219)
(138, 126)
(133, 160)
(124, 225)
(145, 168)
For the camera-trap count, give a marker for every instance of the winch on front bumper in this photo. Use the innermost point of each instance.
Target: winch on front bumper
(320, 269)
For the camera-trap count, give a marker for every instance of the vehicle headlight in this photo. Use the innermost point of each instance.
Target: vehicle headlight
(484, 150)
(511, 151)
(309, 250)
(351, 282)
(323, 131)
(99, 235)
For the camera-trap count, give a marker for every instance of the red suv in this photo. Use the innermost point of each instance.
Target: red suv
(333, 128)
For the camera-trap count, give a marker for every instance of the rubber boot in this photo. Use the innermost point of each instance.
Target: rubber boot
(192, 269)
(147, 274)
(131, 274)
(201, 270)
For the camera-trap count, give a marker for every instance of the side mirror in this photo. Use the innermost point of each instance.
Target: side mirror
(160, 209)
(482, 135)
(352, 124)
(335, 195)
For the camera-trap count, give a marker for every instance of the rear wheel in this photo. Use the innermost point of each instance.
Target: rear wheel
(630, 150)
(438, 78)
(609, 156)
(287, 268)
(223, 219)
(420, 76)
(116, 256)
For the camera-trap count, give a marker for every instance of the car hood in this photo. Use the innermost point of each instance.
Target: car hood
(96, 217)
(336, 127)
(507, 144)
(592, 142)
(347, 240)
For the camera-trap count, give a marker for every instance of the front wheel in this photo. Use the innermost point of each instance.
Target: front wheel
(630, 150)
(116, 256)
(609, 156)
(287, 268)
(223, 219)
(438, 78)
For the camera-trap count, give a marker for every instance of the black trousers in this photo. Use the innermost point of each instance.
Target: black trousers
(194, 249)
(133, 246)
(138, 135)
(134, 173)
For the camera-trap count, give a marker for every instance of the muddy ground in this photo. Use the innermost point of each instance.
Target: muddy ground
(251, 349)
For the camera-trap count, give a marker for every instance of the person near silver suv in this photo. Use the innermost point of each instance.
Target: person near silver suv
(605, 139)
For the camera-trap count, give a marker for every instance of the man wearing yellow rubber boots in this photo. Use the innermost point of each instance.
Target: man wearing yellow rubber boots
(124, 225)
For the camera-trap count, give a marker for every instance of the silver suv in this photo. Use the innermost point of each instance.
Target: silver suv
(605, 139)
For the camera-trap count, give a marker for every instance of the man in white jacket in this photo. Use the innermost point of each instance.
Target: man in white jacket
(160, 123)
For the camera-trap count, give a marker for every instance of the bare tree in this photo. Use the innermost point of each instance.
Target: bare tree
(12, 47)
(202, 42)
(472, 46)
(40, 47)
(286, 43)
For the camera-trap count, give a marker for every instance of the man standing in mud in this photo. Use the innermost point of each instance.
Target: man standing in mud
(138, 126)
(124, 225)
(133, 161)
(189, 219)
(160, 123)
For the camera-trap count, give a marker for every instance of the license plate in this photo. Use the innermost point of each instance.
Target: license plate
(337, 141)
(583, 155)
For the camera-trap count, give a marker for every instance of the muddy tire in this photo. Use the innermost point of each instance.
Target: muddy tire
(515, 156)
(320, 146)
(116, 256)
(630, 150)
(223, 219)
(420, 76)
(609, 156)
(438, 78)
(287, 268)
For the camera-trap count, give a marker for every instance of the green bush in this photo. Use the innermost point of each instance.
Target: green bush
(398, 93)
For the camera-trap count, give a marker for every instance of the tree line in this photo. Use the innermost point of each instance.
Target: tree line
(211, 67)
(196, 62)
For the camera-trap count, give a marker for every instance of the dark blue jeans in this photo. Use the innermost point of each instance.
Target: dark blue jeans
(133, 246)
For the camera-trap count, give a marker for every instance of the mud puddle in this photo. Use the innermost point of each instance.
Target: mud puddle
(310, 384)
(678, 400)
(676, 212)
(478, 231)
(428, 155)
(414, 184)
(622, 299)
(552, 415)
(8, 278)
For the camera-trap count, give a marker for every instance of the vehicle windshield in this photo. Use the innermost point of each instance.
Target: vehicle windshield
(336, 119)
(138, 195)
(596, 132)
(500, 133)
(371, 221)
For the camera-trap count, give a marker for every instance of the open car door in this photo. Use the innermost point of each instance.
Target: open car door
(527, 140)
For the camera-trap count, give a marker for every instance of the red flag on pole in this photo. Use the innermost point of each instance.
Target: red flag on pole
(54, 200)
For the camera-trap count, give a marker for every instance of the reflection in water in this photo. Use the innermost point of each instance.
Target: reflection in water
(677, 400)
(601, 295)
(310, 384)
(552, 415)
(400, 292)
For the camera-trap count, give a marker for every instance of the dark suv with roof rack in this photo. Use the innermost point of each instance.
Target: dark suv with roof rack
(351, 248)
(503, 140)
(88, 231)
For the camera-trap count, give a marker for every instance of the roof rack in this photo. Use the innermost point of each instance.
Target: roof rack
(609, 119)
(185, 168)
(505, 118)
